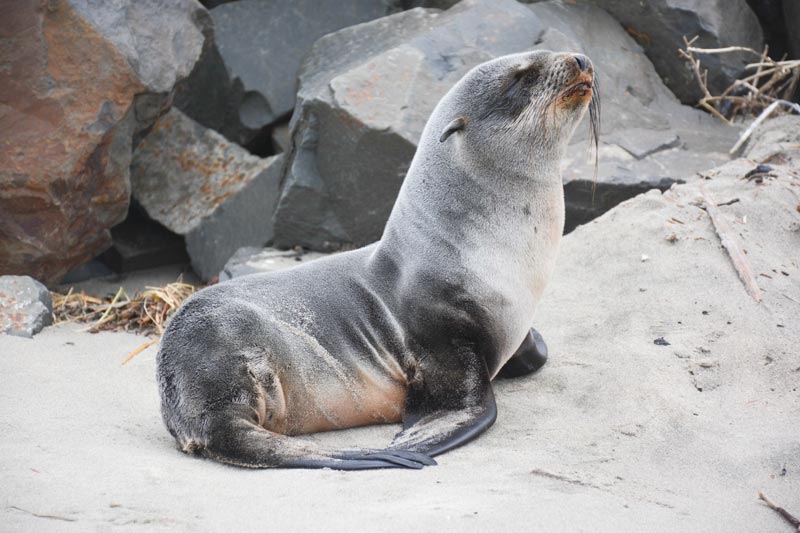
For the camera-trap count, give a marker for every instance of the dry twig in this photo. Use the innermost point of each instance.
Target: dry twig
(139, 350)
(731, 245)
(780, 510)
(771, 85)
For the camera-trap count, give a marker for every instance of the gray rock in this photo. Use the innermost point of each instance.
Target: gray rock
(277, 38)
(791, 10)
(641, 142)
(437, 4)
(140, 243)
(365, 94)
(280, 137)
(197, 184)
(252, 260)
(25, 306)
(209, 95)
(773, 19)
(660, 25)
(648, 139)
(155, 36)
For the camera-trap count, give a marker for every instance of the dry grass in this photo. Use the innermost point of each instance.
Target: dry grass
(767, 83)
(147, 312)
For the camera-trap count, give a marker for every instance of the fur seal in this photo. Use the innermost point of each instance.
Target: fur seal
(411, 328)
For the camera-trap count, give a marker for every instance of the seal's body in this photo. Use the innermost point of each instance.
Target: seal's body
(410, 328)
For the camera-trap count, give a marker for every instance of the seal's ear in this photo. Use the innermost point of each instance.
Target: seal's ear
(454, 126)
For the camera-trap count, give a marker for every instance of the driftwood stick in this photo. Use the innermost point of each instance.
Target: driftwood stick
(782, 64)
(780, 510)
(731, 245)
(749, 131)
(723, 50)
(761, 118)
(771, 81)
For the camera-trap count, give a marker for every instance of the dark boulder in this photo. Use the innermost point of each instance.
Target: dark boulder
(365, 95)
(660, 25)
(263, 43)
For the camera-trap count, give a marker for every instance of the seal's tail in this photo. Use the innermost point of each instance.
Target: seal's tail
(235, 438)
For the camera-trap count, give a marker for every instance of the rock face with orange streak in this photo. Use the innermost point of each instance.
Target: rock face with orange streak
(79, 78)
(200, 185)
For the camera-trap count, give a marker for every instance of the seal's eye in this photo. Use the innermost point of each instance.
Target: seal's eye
(525, 76)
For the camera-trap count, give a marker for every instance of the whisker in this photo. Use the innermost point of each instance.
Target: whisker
(594, 130)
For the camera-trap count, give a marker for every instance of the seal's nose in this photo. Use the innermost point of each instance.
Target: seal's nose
(581, 61)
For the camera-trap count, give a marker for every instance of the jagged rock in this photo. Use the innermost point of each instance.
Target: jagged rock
(277, 38)
(198, 184)
(660, 25)
(252, 260)
(209, 95)
(791, 11)
(280, 137)
(648, 139)
(365, 94)
(140, 243)
(79, 79)
(773, 20)
(25, 306)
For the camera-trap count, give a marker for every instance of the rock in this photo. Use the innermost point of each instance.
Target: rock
(94, 269)
(140, 243)
(252, 260)
(208, 95)
(791, 11)
(25, 306)
(198, 184)
(660, 25)
(773, 19)
(438, 4)
(641, 142)
(80, 79)
(648, 140)
(280, 137)
(365, 94)
(160, 39)
(266, 62)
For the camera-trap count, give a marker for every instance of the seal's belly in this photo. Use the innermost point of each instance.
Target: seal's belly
(360, 399)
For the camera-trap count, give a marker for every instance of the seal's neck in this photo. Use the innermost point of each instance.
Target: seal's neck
(453, 208)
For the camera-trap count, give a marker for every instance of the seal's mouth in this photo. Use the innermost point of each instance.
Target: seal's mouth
(583, 87)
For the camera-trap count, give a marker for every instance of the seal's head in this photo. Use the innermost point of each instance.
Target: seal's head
(523, 107)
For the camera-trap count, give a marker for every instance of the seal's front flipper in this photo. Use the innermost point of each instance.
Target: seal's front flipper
(529, 357)
(442, 413)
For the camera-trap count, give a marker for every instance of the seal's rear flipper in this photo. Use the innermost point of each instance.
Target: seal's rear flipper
(236, 440)
(432, 423)
(529, 357)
